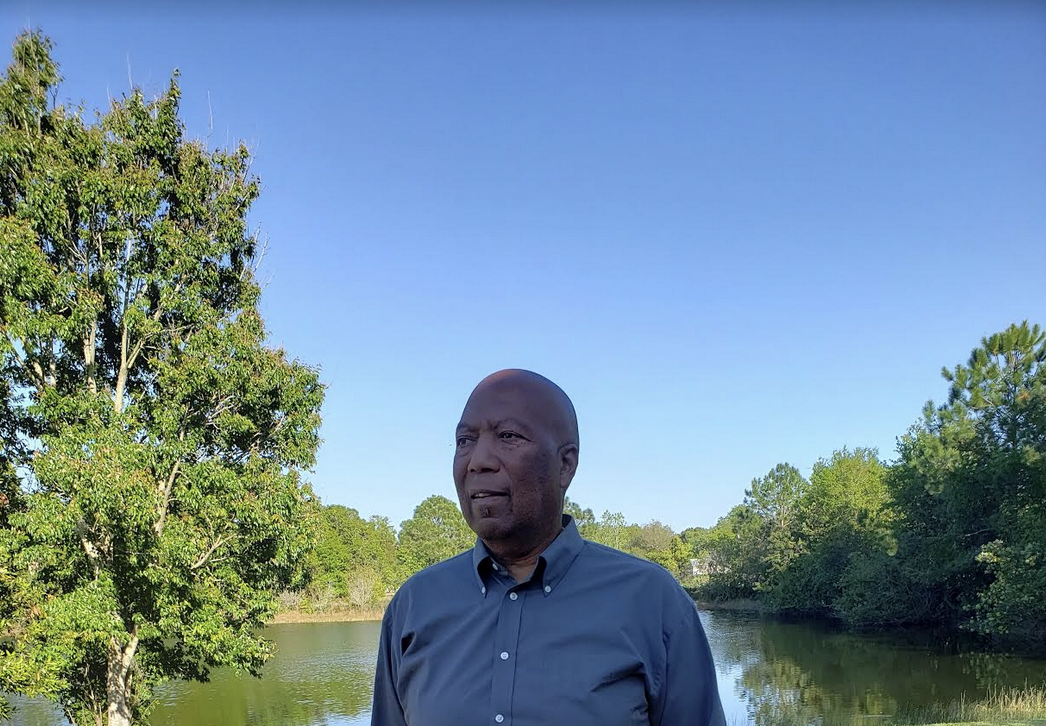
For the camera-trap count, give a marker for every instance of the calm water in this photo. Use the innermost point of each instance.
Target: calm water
(322, 675)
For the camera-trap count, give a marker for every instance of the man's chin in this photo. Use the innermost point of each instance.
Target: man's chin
(491, 529)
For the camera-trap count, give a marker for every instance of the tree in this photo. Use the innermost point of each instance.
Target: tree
(971, 486)
(775, 500)
(10, 502)
(339, 532)
(583, 518)
(611, 530)
(381, 551)
(436, 532)
(657, 542)
(351, 551)
(696, 541)
(674, 557)
(161, 507)
(843, 516)
(362, 583)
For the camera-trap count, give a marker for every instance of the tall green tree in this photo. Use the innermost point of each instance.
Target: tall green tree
(971, 488)
(843, 517)
(775, 500)
(611, 530)
(161, 505)
(583, 517)
(436, 532)
(354, 555)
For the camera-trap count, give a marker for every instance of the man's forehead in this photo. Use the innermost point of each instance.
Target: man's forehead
(526, 396)
(469, 423)
(509, 397)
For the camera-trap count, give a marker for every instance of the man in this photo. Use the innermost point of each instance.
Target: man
(536, 626)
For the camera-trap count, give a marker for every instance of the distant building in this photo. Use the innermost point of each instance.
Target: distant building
(698, 568)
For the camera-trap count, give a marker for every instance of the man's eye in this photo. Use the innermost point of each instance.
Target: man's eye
(463, 441)
(509, 435)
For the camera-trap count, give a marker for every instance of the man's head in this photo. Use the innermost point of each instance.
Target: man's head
(516, 452)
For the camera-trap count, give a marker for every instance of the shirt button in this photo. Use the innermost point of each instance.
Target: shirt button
(548, 588)
(513, 596)
(499, 718)
(504, 655)
(483, 590)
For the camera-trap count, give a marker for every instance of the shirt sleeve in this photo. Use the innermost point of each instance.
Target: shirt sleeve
(386, 709)
(689, 695)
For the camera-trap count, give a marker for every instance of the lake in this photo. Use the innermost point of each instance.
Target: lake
(322, 673)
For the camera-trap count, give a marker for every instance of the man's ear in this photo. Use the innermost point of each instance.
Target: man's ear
(567, 465)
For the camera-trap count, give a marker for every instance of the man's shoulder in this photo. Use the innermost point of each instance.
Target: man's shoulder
(439, 576)
(645, 580)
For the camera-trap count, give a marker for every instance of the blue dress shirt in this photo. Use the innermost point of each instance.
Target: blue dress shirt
(595, 637)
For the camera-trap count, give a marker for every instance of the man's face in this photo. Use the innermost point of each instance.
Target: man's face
(507, 467)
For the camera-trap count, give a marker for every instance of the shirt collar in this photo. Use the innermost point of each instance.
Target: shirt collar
(552, 565)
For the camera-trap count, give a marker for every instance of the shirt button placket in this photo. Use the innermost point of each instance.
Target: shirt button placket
(505, 644)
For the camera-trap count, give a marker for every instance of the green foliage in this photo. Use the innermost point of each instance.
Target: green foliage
(843, 518)
(436, 532)
(952, 533)
(775, 501)
(162, 508)
(354, 559)
(729, 554)
(653, 541)
(657, 542)
(970, 488)
(793, 543)
(584, 518)
(611, 530)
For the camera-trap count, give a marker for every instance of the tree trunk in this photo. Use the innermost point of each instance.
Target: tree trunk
(119, 682)
(119, 713)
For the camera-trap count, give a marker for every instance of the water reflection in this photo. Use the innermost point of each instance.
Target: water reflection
(806, 673)
(321, 676)
(809, 672)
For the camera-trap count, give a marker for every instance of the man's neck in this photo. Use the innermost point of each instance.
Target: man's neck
(520, 561)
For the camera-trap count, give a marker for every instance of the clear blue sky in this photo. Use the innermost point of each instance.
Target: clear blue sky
(734, 237)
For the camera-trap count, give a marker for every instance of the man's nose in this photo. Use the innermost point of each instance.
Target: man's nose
(483, 458)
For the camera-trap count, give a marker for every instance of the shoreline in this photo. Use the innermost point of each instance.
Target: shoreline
(739, 605)
(338, 616)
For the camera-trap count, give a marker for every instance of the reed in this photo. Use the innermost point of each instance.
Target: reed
(1000, 707)
(1020, 705)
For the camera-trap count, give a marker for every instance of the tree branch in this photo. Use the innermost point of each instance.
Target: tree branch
(158, 527)
(93, 552)
(34, 371)
(207, 555)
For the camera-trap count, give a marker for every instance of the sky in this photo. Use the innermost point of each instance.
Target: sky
(735, 234)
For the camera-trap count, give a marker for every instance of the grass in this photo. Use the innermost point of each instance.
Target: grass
(328, 616)
(1003, 705)
(324, 606)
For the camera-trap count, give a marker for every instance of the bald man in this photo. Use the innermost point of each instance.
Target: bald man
(536, 626)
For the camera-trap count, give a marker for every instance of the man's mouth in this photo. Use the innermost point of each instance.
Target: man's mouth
(485, 494)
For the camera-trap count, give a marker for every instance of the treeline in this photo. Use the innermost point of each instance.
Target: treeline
(952, 532)
(358, 563)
